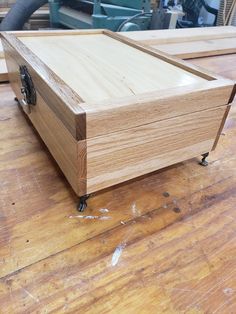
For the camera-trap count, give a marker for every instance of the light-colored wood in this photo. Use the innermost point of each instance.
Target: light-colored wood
(170, 36)
(3, 71)
(138, 151)
(36, 24)
(201, 48)
(59, 141)
(171, 254)
(156, 109)
(105, 66)
(60, 97)
(221, 126)
(55, 32)
(1, 50)
(62, 145)
(126, 113)
(216, 65)
(158, 54)
(112, 86)
(3, 67)
(163, 56)
(189, 43)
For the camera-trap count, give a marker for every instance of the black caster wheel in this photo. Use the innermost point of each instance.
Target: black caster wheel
(204, 162)
(82, 203)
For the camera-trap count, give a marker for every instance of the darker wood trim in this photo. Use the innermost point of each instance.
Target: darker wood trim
(164, 56)
(232, 95)
(204, 54)
(82, 167)
(56, 32)
(221, 127)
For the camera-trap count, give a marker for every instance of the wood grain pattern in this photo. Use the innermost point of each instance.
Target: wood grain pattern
(201, 48)
(106, 66)
(62, 145)
(189, 43)
(215, 64)
(116, 76)
(169, 136)
(121, 156)
(59, 141)
(222, 125)
(72, 114)
(169, 36)
(163, 56)
(86, 280)
(167, 247)
(61, 99)
(156, 253)
(128, 112)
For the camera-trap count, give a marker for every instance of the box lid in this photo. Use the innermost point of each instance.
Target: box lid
(91, 79)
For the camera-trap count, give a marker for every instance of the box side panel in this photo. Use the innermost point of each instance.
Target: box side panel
(58, 139)
(60, 142)
(121, 156)
(120, 114)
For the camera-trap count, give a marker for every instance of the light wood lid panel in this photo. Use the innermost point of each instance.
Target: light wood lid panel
(99, 67)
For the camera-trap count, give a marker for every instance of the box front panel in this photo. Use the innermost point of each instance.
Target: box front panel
(125, 155)
(120, 114)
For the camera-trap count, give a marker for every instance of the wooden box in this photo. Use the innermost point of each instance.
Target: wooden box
(110, 109)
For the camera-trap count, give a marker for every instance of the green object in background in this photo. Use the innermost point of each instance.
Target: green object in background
(116, 15)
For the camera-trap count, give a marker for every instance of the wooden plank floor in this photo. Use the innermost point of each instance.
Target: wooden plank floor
(165, 243)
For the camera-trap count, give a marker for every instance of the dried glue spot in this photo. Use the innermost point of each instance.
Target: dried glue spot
(135, 211)
(117, 253)
(228, 291)
(104, 210)
(91, 217)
